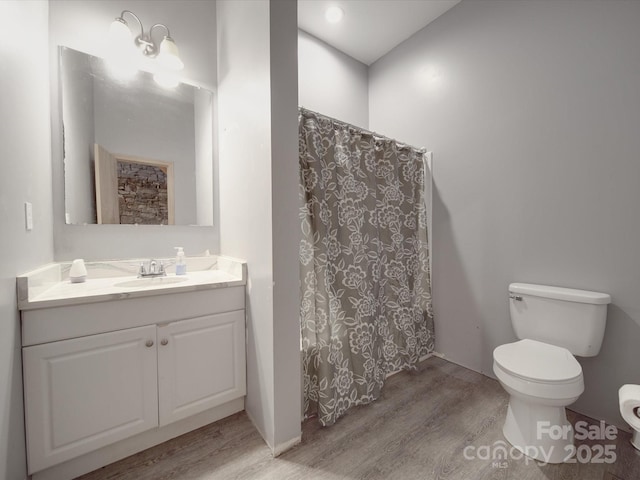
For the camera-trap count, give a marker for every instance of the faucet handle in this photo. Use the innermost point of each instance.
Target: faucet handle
(152, 268)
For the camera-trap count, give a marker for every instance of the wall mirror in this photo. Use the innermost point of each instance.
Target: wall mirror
(134, 151)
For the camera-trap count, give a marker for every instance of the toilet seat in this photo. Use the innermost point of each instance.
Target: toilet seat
(537, 362)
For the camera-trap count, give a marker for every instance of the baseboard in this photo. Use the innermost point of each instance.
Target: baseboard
(468, 367)
(620, 425)
(257, 427)
(283, 447)
(276, 450)
(428, 355)
(125, 448)
(422, 359)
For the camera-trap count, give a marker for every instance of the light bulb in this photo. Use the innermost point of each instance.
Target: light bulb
(168, 55)
(123, 68)
(119, 32)
(166, 79)
(122, 54)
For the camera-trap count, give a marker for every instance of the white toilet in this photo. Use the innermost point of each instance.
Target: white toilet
(629, 396)
(539, 371)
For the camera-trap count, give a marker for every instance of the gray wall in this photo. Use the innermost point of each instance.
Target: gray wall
(83, 26)
(25, 156)
(331, 82)
(532, 110)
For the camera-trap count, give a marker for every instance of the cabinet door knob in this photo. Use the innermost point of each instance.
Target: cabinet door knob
(149, 343)
(164, 341)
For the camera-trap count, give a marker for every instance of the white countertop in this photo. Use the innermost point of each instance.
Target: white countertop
(47, 287)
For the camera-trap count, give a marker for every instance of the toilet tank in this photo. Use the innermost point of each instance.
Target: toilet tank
(573, 319)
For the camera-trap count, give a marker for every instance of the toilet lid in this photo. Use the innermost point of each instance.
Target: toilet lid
(537, 361)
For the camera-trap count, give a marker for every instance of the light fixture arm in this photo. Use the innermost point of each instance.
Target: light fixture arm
(121, 19)
(151, 48)
(144, 41)
(160, 25)
(163, 50)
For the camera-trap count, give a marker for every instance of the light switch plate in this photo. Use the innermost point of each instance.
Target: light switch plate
(28, 216)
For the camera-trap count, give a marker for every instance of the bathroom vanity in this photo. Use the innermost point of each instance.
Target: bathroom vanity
(118, 364)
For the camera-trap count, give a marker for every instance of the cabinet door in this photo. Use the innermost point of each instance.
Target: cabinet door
(201, 364)
(88, 392)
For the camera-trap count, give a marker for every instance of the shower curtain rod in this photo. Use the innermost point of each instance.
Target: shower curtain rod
(364, 130)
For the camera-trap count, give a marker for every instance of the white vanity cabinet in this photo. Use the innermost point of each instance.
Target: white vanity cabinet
(201, 364)
(85, 393)
(105, 380)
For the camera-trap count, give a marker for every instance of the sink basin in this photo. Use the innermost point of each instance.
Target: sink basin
(149, 282)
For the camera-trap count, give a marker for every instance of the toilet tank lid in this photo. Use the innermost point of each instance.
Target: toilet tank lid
(560, 293)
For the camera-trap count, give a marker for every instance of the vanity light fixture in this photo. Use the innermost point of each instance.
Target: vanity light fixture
(165, 53)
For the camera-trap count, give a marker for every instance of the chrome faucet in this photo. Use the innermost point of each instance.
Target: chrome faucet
(153, 269)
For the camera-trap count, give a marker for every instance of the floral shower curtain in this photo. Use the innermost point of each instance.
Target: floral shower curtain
(365, 286)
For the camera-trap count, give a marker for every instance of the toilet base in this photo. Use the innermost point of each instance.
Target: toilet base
(541, 432)
(635, 440)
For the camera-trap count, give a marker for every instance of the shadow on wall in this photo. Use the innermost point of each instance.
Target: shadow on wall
(223, 47)
(254, 403)
(621, 345)
(455, 309)
(12, 417)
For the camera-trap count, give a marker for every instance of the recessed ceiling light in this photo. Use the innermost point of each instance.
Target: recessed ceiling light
(334, 14)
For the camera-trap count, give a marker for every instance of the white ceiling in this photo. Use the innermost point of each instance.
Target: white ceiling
(369, 28)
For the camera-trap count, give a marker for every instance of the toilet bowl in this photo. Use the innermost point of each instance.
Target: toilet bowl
(542, 380)
(540, 372)
(629, 397)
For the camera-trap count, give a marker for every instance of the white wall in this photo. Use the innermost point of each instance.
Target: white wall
(25, 156)
(532, 111)
(285, 223)
(79, 194)
(245, 186)
(257, 86)
(203, 119)
(84, 26)
(331, 82)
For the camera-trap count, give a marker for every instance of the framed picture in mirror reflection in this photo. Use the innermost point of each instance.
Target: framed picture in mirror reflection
(133, 190)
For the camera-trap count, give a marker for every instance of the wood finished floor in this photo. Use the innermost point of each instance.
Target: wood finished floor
(418, 429)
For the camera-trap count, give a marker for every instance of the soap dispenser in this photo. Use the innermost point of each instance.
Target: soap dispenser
(181, 265)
